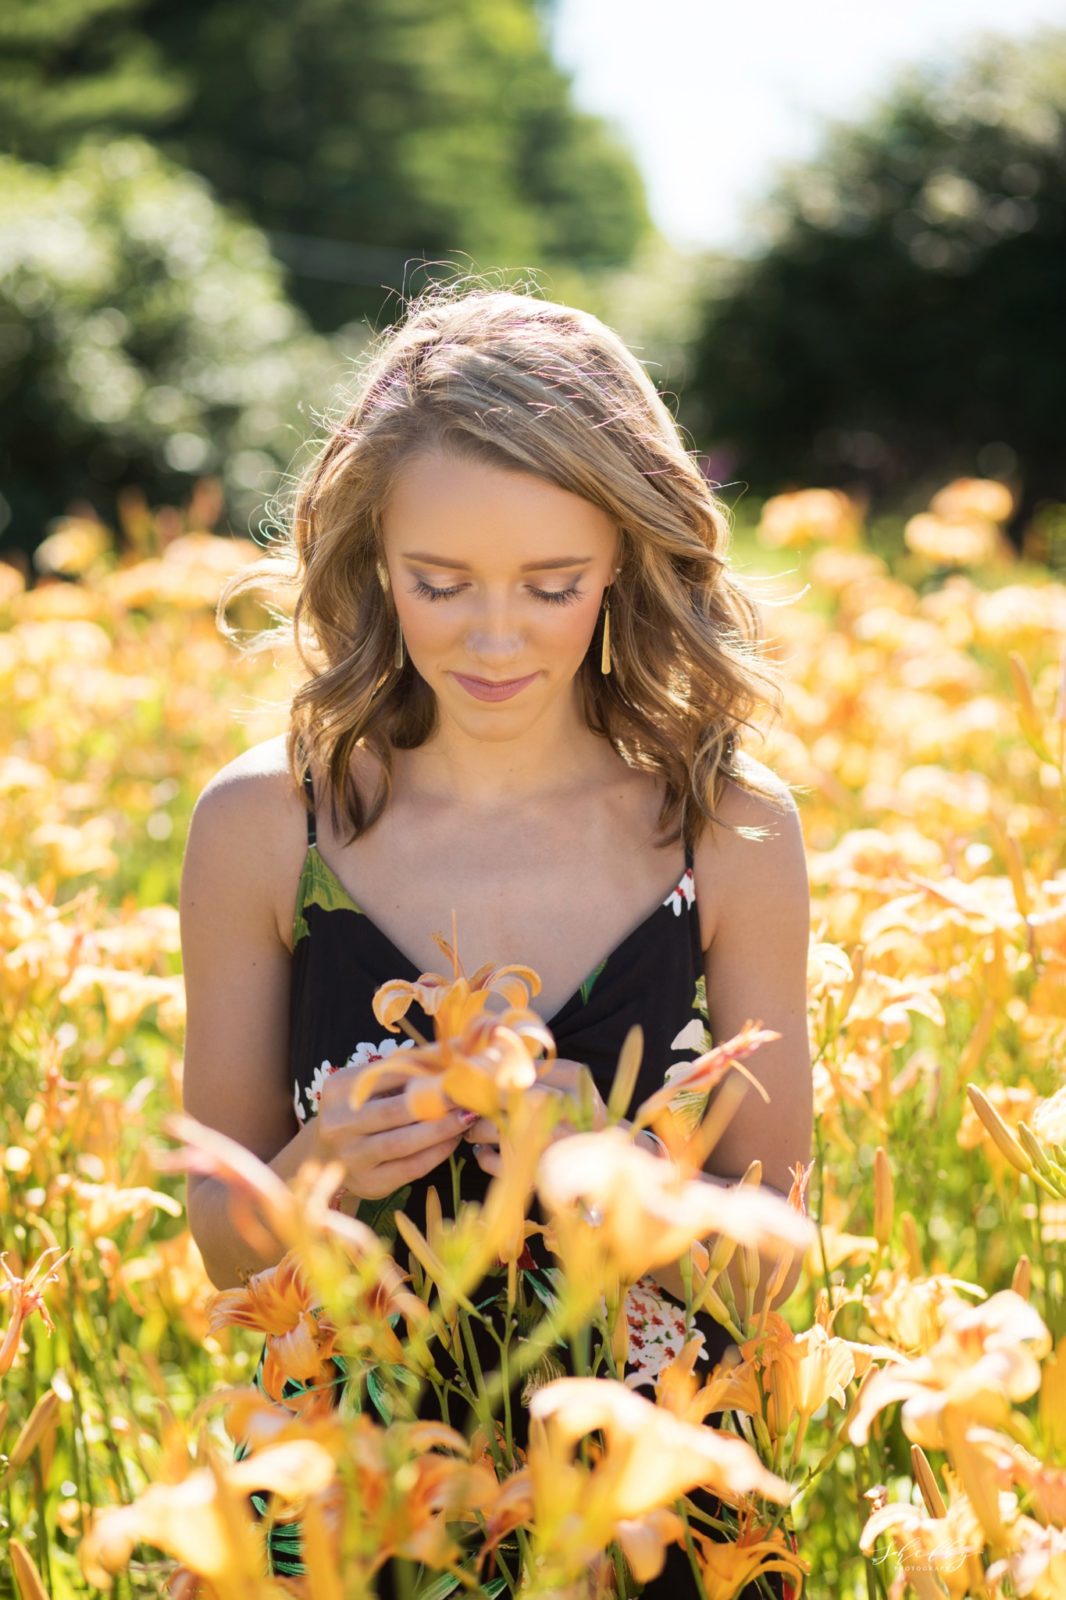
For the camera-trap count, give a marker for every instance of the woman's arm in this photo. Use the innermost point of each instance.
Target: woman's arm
(756, 935)
(241, 864)
(239, 884)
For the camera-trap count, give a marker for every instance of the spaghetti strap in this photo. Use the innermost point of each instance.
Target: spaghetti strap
(310, 791)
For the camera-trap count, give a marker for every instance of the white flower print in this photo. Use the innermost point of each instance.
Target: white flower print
(315, 1087)
(301, 1114)
(361, 1056)
(684, 894)
(690, 1037)
(363, 1053)
(656, 1332)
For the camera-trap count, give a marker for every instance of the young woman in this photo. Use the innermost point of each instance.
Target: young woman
(528, 667)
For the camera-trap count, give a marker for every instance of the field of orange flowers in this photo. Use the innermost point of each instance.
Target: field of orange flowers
(900, 1430)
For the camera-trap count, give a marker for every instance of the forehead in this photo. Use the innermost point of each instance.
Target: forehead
(472, 511)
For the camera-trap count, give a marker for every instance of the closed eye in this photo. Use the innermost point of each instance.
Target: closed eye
(552, 596)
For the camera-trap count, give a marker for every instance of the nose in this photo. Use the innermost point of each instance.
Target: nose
(493, 636)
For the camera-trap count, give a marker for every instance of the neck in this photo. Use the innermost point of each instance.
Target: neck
(558, 752)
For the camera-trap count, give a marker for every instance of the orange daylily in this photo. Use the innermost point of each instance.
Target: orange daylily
(988, 1358)
(486, 1068)
(913, 1313)
(205, 1521)
(453, 1002)
(651, 1457)
(939, 1555)
(731, 1386)
(644, 1213)
(799, 1372)
(727, 1566)
(27, 1298)
(437, 1489)
(704, 1074)
(1037, 1566)
(479, 1060)
(280, 1302)
(253, 1420)
(1045, 1485)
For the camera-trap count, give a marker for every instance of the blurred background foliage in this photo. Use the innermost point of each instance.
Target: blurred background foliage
(208, 209)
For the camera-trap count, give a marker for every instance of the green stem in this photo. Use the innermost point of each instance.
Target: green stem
(484, 1411)
(690, 1547)
(548, 1330)
(820, 1150)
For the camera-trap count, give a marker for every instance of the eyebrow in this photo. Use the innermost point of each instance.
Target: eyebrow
(530, 566)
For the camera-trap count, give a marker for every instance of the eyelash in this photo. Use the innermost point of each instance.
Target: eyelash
(556, 597)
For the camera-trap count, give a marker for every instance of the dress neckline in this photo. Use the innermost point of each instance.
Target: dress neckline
(684, 886)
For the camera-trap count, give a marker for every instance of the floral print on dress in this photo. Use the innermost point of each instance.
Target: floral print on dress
(690, 1037)
(684, 894)
(360, 1057)
(656, 1332)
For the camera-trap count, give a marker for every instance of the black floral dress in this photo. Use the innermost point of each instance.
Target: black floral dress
(653, 976)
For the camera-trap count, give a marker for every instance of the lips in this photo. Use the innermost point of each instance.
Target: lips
(493, 689)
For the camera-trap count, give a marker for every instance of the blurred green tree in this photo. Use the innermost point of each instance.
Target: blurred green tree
(68, 67)
(145, 338)
(361, 135)
(904, 318)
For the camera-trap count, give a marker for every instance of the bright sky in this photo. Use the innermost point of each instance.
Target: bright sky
(710, 94)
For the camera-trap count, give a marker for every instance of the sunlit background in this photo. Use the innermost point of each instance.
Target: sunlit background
(835, 234)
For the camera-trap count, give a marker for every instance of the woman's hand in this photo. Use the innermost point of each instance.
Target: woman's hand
(564, 1078)
(380, 1146)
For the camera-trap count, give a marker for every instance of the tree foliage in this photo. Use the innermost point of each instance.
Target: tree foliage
(362, 135)
(904, 320)
(145, 338)
(70, 67)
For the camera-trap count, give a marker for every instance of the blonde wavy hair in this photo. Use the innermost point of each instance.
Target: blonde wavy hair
(508, 378)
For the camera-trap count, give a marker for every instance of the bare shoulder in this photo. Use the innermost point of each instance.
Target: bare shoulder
(756, 864)
(252, 800)
(248, 828)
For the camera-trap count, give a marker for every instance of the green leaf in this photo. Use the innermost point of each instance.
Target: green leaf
(586, 987)
(376, 1390)
(441, 1586)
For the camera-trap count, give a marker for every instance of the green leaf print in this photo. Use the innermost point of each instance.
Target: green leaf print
(319, 887)
(380, 1215)
(586, 987)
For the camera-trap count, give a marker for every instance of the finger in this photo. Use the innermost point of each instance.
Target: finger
(488, 1159)
(385, 1081)
(396, 1140)
(483, 1131)
(392, 1175)
(390, 1111)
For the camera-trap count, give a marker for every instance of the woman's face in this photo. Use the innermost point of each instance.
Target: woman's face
(498, 579)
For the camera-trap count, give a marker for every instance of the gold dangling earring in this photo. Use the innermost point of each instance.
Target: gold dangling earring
(605, 648)
(398, 657)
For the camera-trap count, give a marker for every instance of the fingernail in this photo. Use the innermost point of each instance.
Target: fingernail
(467, 1117)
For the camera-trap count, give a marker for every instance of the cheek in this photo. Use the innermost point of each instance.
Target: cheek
(572, 625)
(429, 626)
